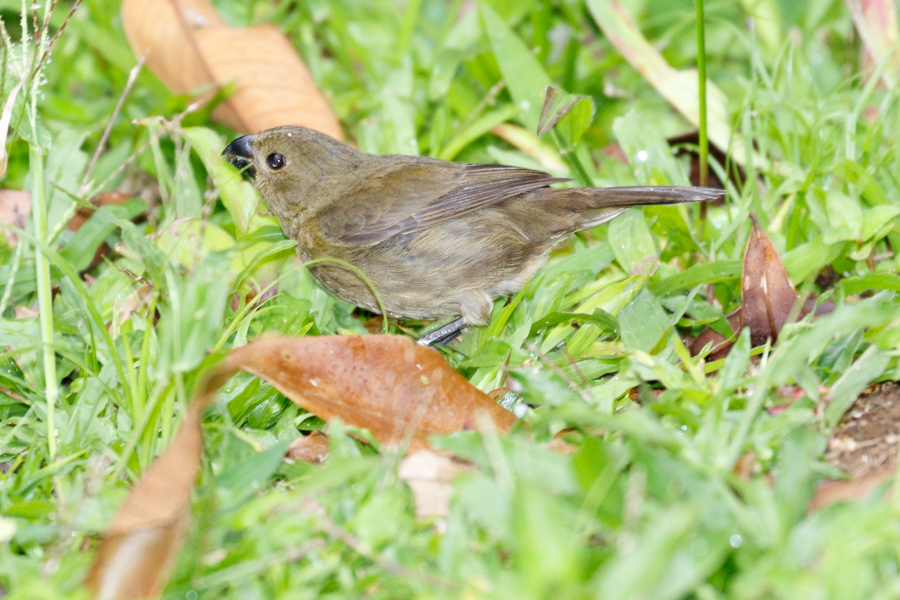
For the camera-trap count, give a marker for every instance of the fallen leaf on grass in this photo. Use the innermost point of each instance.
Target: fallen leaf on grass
(839, 490)
(312, 448)
(430, 477)
(189, 46)
(768, 298)
(720, 345)
(25, 312)
(14, 208)
(396, 389)
(83, 213)
(138, 550)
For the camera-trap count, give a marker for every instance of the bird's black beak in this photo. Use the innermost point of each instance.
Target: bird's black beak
(240, 154)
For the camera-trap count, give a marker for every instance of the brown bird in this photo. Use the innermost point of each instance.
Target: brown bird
(435, 238)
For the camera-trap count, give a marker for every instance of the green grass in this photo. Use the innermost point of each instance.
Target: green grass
(648, 505)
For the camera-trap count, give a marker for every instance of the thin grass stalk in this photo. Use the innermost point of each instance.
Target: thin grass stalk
(703, 140)
(45, 300)
(701, 74)
(39, 212)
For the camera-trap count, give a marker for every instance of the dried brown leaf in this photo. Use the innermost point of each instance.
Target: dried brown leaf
(14, 208)
(836, 490)
(137, 300)
(720, 346)
(139, 548)
(189, 46)
(430, 477)
(768, 297)
(25, 312)
(83, 213)
(312, 448)
(395, 388)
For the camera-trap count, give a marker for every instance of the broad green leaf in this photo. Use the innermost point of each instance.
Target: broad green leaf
(845, 217)
(643, 321)
(631, 242)
(868, 367)
(877, 221)
(187, 242)
(809, 258)
(524, 75)
(713, 272)
(871, 281)
(571, 114)
(648, 152)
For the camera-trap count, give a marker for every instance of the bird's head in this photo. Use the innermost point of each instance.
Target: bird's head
(291, 166)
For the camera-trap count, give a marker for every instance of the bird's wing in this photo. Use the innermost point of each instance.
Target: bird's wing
(420, 194)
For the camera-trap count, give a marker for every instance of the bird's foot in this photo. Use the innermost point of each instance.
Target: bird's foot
(444, 334)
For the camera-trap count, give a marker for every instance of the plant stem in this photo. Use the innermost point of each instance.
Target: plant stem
(572, 158)
(45, 301)
(703, 142)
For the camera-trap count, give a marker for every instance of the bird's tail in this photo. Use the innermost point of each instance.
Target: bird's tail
(640, 195)
(592, 206)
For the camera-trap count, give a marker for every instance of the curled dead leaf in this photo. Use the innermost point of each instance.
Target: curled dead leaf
(395, 388)
(768, 298)
(189, 46)
(139, 548)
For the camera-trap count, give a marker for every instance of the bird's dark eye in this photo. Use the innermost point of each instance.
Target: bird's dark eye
(275, 161)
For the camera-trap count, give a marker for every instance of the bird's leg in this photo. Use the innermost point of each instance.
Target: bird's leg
(444, 334)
